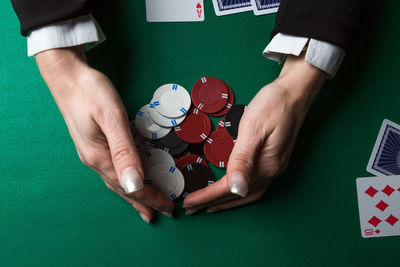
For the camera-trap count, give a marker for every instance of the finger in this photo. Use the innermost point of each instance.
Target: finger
(145, 212)
(151, 198)
(110, 183)
(208, 194)
(254, 185)
(252, 197)
(241, 162)
(125, 158)
(147, 196)
(222, 199)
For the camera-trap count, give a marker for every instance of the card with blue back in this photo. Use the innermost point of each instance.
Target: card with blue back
(226, 7)
(263, 7)
(385, 157)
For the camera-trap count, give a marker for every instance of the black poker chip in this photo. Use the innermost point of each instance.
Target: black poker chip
(174, 151)
(232, 120)
(171, 140)
(196, 148)
(197, 176)
(173, 144)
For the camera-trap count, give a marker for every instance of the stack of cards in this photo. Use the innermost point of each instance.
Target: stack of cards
(193, 10)
(259, 7)
(379, 197)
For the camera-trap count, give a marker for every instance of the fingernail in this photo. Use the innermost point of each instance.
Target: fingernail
(211, 211)
(168, 213)
(190, 212)
(145, 218)
(239, 185)
(131, 180)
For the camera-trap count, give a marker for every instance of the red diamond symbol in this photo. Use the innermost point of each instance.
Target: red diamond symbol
(398, 189)
(371, 191)
(382, 205)
(374, 221)
(377, 231)
(391, 220)
(388, 190)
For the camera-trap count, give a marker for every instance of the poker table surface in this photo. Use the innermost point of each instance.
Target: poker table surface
(54, 211)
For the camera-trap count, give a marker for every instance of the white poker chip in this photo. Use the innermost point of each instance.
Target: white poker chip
(142, 144)
(167, 179)
(171, 100)
(147, 127)
(154, 157)
(164, 121)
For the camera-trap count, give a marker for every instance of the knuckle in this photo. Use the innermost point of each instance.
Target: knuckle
(243, 159)
(121, 152)
(254, 128)
(91, 159)
(250, 124)
(276, 167)
(113, 116)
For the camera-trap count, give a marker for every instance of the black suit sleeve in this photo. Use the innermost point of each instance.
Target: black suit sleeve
(35, 13)
(333, 21)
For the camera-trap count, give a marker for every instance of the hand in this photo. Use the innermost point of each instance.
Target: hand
(267, 134)
(98, 124)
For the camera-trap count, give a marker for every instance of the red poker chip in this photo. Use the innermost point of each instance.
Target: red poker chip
(218, 147)
(221, 124)
(195, 128)
(189, 159)
(229, 103)
(209, 95)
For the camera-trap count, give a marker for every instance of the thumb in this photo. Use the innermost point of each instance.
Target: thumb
(242, 160)
(125, 157)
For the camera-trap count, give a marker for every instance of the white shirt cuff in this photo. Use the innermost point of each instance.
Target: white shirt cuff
(322, 55)
(82, 30)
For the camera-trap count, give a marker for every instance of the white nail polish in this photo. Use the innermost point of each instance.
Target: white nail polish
(211, 211)
(131, 180)
(145, 218)
(168, 213)
(239, 185)
(190, 212)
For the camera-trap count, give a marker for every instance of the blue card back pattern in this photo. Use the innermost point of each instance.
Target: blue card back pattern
(387, 159)
(225, 5)
(266, 4)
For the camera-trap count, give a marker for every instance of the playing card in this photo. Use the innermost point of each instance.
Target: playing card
(226, 7)
(385, 157)
(174, 10)
(379, 206)
(262, 7)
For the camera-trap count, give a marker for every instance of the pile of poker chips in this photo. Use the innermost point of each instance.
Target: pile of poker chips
(175, 138)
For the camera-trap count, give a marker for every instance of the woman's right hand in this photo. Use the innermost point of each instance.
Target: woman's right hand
(98, 124)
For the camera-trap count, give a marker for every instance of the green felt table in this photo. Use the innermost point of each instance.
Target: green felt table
(56, 212)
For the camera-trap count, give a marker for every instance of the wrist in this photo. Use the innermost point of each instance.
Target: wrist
(300, 80)
(61, 66)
